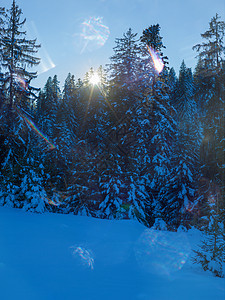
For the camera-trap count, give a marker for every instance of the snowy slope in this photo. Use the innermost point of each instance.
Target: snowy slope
(52, 256)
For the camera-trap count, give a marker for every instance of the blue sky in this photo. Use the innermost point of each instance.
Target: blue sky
(58, 27)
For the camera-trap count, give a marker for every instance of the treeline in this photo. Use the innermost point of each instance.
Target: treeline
(140, 143)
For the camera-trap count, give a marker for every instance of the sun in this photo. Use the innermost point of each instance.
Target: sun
(94, 79)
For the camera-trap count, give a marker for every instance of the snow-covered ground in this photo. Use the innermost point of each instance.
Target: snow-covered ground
(52, 256)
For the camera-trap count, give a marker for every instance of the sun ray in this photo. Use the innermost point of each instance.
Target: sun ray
(107, 101)
(89, 101)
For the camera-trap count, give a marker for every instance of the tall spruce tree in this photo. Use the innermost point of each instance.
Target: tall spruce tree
(173, 85)
(123, 67)
(17, 56)
(152, 53)
(160, 117)
(120, 184)
(2, 26)
(209, 80)
(210, 84)
(180, 190)
(211, 252)
(211, 52)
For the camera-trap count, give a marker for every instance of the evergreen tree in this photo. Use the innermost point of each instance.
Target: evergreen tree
(47, 105)
(65, 136)
(180, 190)
(89, 113)
(70, 110)
(17, 57)
(173, 85)
(220, 122)
(113, 188)
(161, 123)
(32, 193)
(123, 94)
(124, 63)
(211, 252)
(122, 103)
(211, 52)
(2, 25)
(210, 84)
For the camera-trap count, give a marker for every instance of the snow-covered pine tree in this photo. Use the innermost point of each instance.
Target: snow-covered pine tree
(211, 252)
(83, 193)
(90, 109)
(3, 136)
(32, 194)
(173, 85)
(209, 78)
(113, 189)
(96, 116)
(2, 26)
(211, 51)
(211, 87)
(220, 145)
(47, 105)
(49, 121)
(179, 193)
(127, 185)
(123, 97)
(152, 56)
(188, 116)
(184, 100)
(9, 193)
(66, 132)
(162, 126)
(17, 57)
(84, 103)
(211, 58)
(68, 109)
(69, 106)
(125, 61)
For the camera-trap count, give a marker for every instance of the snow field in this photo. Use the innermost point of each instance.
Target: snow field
(53, 256)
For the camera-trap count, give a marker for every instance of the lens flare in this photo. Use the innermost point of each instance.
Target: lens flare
(34, 127)
(46, 63)
(157, 61)
(31, 124)
(85, 256)
(94, 33)
(162, 252)
(57, 199)
(52, 202)
(20, 82)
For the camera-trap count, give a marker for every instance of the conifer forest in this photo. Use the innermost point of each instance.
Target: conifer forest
(130, 140)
